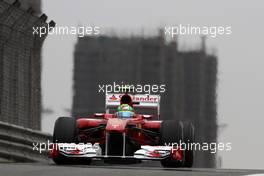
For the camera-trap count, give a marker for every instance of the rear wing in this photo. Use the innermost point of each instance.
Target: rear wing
(144, 101)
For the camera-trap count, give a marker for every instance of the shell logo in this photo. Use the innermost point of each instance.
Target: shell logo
(113, 98)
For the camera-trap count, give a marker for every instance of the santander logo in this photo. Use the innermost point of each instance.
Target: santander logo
(139, 98)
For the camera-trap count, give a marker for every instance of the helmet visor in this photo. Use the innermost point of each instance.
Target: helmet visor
(125, 114)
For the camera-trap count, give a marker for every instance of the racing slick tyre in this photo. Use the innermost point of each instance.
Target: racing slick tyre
(171, 133)
(65, 132)
(188, 138)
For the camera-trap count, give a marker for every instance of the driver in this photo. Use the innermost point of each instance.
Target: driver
(125, 111)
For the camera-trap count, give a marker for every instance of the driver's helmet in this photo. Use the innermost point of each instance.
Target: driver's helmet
(125, 111)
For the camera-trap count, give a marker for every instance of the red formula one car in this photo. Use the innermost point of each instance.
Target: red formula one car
(133, 136)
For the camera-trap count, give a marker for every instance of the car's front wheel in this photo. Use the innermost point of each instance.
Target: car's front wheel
(65, 132)
(188, 138)
(171, 133)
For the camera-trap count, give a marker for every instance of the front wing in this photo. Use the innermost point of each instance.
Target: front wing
(94, 151)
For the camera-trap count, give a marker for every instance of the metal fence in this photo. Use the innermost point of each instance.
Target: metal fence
(22, 144)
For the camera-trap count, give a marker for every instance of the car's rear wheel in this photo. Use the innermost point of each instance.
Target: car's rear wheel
(65, 132)
(171, 133)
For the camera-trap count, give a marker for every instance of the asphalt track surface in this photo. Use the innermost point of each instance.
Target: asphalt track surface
(44, 169)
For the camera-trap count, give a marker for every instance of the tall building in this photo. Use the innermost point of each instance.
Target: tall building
(26, 4)
(190, 79)
(20, 65)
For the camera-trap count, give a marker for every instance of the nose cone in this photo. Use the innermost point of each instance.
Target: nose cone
(116, 125)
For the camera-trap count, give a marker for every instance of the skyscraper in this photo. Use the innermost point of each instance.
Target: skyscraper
(20, 64)
(25, 4)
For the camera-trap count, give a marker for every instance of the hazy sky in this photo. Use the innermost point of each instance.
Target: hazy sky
(240, 77)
